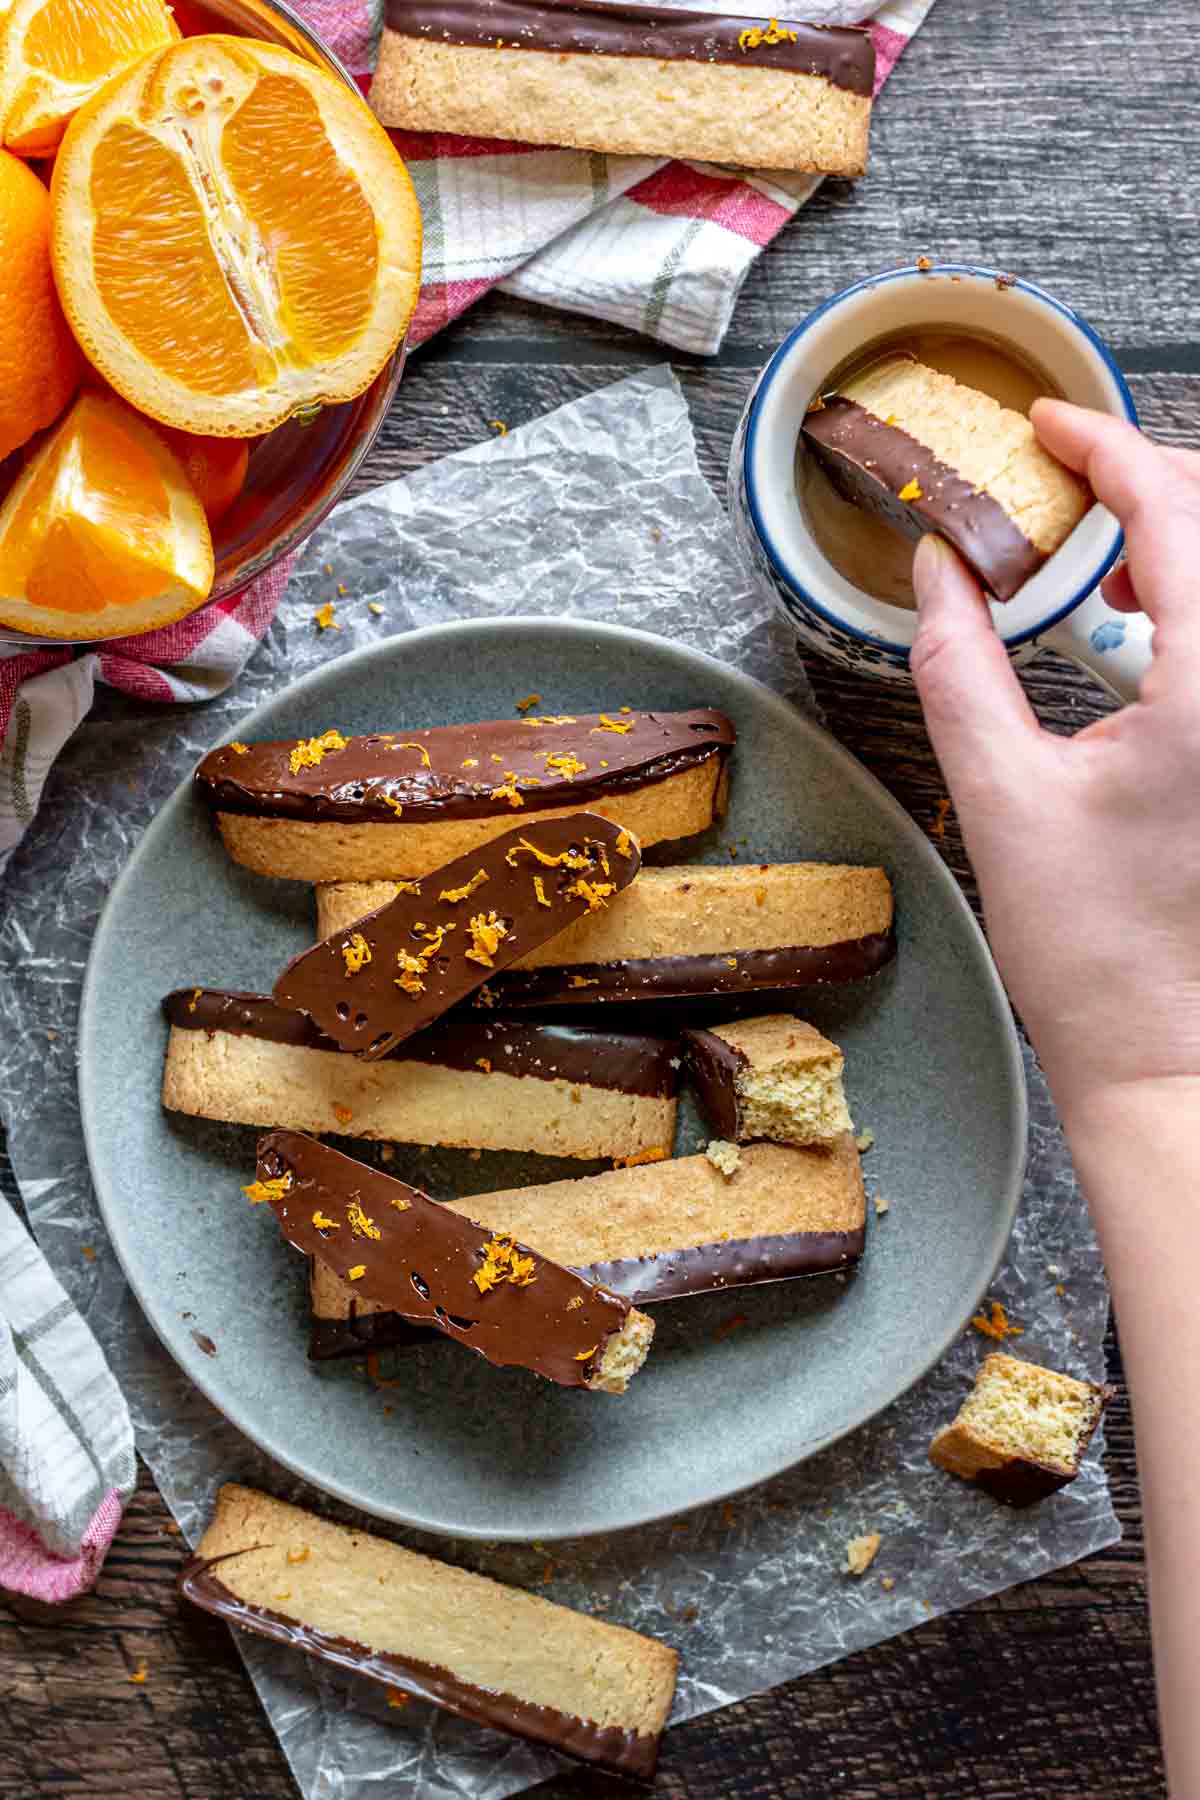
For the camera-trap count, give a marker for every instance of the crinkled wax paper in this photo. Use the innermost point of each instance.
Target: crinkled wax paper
(750, 1592)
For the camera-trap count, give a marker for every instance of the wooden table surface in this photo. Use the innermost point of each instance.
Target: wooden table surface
(1057, 140)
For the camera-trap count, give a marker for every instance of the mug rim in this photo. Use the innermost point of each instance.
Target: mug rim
(977, 272)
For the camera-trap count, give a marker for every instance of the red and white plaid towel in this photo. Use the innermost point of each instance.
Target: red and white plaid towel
(660, 247)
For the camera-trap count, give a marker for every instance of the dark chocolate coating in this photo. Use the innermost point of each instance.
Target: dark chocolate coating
(368, 1012)
(869, 462)
(666, 978)
(714, 1066)
(419, 1260)
(845, 56)
(628, 1062)
(625, 1752)
(353, 786)
(643, 1280)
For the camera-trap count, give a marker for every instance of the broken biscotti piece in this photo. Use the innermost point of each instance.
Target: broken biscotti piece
(474, 1081)
(433, 1266)
(653, 82)
(690, 931)
(1022, 1430)
(401, 803)
(774, 1077)
(658, 1231)
(928, 454)
(490, 1653)
(443, 936)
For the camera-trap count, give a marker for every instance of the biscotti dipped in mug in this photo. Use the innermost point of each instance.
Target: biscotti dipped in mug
(400, 803)
(645, 80)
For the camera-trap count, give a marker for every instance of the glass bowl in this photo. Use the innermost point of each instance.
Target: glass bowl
(298, 472)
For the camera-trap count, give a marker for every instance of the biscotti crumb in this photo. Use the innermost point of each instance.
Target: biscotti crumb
(865, 1140)
(724, 1156)
(861, 1553)
(373, 606)
(887, 1583)
(880, 1204)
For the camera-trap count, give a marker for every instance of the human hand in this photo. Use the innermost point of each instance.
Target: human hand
(1087, 849)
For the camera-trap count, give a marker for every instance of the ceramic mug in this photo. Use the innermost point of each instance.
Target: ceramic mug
(1060, 608)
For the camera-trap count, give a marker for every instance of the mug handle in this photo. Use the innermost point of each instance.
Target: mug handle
(1112, 646)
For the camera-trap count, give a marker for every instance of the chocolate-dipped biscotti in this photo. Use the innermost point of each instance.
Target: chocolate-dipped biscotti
(774, 1077)
(690, 931)
(653, 81)
(1022, 1431)
(443, 936)
(658, 1231)
(490, 1653)
(475, 1082)
(926, 453)
(398, 804)
(433, 1266)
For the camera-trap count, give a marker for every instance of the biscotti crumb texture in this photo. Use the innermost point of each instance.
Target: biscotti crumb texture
(1022, 1431)
(495, 1644)
(753, 116)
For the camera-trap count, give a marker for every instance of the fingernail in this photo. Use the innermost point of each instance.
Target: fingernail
(929, 564)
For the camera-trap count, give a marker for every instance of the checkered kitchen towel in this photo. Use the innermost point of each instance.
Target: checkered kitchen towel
(660, 247)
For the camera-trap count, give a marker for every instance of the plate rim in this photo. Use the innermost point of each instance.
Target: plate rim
(518, 626)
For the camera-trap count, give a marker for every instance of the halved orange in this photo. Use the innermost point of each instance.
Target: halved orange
(55, 54)
(102, 535)
(234, 238)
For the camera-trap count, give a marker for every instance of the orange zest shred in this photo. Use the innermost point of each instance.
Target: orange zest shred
(624, 844)
(607, 724)
(239, 749)
(323, 617)
(552, 719)
(311, 751)
(408, 887)
(196, 993)
(470, 762)
(413, 969)
(356, 954)
(938, 828)
(397, 1697)
(507, 790)
(342, 1114)
(586, 1355)
(528, 703)
(569, 859)
(656, 1153)
(564, 763)
(357, 1272)
(488, 931)
(501, 1263)
(580, 981)
(322, 1222)
(997, 1325)
(396, 806)
(260, 1191)
(770, 33)
(454, 895)
(360, 1224)
(731, 961)
(484, 1063)
(400, 1205)
(911, 490)
(420, 749)
(539, 888)
(575, 1303)
(299, 1556)
(138, 1675)
(595, 893)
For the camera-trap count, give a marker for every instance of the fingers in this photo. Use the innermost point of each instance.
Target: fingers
(1155, 493)
(1117, 589)
(976, 712)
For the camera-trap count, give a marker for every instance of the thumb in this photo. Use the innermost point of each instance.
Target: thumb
(975, 710)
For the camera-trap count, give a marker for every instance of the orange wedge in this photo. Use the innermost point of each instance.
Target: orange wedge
(102, 535)
(234, 237)
(55, 54)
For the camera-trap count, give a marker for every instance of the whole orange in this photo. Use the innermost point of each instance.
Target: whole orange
(40, 363)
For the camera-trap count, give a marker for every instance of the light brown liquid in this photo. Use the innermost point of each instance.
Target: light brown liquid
(862, 548)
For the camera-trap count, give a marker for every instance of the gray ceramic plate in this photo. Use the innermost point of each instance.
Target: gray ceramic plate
(933, 1068)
